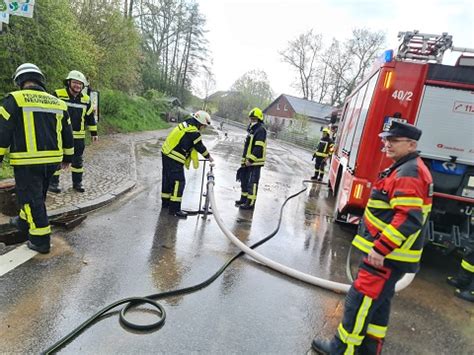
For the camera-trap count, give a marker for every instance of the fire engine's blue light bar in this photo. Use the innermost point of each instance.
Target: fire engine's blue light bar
(387, 56)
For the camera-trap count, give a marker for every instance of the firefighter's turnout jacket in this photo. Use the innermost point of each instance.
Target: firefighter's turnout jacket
(255, 151)
(182, 142)
(325, 147)
(81, 112)
(255, 147)
(180, 147)
(393, 225)
(36, 127)
(397, 212)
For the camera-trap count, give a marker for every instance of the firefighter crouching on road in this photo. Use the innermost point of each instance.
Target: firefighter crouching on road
(323, 152)
(391, 235)
(464, 280)
(253, 159)
(36, 127)
(82, 114)
(179, 149)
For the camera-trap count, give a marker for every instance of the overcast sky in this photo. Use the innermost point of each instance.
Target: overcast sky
(247, 34)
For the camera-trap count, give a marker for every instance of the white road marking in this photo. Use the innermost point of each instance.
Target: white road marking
(15, 258)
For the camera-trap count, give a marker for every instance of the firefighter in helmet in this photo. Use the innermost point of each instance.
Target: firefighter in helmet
(81, 112)
(323, 152)
(253, 159)
(180, 148)
(36, 127)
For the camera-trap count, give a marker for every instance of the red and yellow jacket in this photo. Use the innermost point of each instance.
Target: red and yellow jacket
(396, 214)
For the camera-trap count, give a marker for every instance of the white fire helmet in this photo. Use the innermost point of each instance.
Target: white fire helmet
(77, 75)
(202, 117)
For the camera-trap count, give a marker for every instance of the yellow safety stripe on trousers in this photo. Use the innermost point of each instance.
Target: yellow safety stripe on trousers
(377, 331)
(406, 201)
(33, 230)
(245, 194)
(253, 196)
(165, 195)
(92, 128)
(3, 151)
(77, 170)
(4, 113)
(347, 337)
(323, 155)
(466, 266)
(174, 197)
(379, 204)
(398, 254)
(68, 151)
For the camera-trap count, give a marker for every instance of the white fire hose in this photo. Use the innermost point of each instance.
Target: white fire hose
(310, 279)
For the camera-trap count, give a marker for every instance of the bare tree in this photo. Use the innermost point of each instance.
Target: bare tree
(301, 54)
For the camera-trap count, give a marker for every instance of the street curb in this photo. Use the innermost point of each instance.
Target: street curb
(96, 203)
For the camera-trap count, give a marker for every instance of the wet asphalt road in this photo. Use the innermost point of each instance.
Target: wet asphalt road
(131, 248)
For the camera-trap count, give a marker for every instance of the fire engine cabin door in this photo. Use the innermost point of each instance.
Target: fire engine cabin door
(446, 117)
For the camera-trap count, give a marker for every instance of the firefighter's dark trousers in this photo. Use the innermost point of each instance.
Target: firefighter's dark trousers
(366, 311)
(172, 184)
(319, 166)
(31, 188)
(77, 166)
(249, 184)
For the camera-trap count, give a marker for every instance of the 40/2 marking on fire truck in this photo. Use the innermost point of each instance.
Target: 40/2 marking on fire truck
(402, 95)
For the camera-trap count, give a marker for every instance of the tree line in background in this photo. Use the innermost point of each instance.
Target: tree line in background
(328, 75)
(131, 46)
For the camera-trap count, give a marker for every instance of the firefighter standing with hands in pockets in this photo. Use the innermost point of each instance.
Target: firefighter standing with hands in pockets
(81, 112)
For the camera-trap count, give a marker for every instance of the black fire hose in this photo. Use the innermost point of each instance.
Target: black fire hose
(131, 302)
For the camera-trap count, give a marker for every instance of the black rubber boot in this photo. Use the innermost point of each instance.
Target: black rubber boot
(314, 177)
(242, 201)
(468, 293)
(78, 187)
(321, 346)
(179, 214)
(54, 188)
(246, 207)
(461, 280)
(42, 249)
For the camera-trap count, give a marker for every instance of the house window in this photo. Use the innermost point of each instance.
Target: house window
(278, 107)
(285, 108)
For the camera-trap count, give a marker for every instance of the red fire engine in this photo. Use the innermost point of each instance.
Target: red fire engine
(437, 98)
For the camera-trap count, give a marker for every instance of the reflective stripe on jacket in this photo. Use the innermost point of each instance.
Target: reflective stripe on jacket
(182, 142)
(36, 127)
(325, 147)
(397, 213)
(81, 112)
(255, 147)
